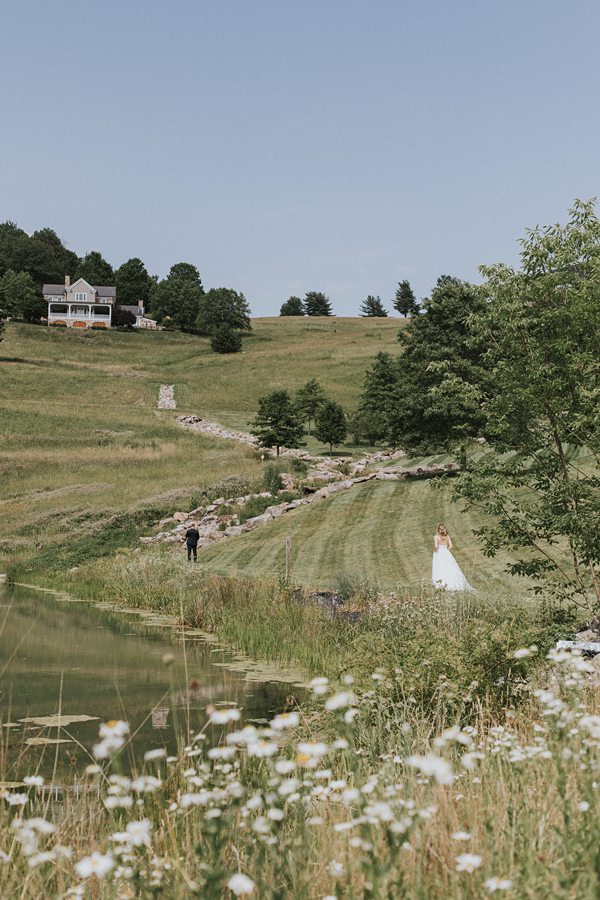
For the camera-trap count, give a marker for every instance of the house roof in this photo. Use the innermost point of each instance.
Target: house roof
(103, 290)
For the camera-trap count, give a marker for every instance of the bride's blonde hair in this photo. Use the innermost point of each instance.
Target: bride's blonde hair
(441, 529)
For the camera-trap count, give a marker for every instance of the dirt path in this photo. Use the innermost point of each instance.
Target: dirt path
(166, 397)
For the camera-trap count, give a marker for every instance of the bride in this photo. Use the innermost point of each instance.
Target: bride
(445, 571)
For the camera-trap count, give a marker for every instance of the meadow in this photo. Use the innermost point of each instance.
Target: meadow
(87, 460)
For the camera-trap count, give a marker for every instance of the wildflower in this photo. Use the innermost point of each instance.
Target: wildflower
(310, 752)
(340, 744)
(340, 701)
(159, 753)
(113, 734)
(379, 812)
(119, 802)
(583, 806)
(93, 769)
(498, 884)
(247, 735)
(241, 885)
(378, 676)
(336, 869)
(432, 765)
(285, 720)
(468, 862)
(262, 749)
(16, 799)
(135, 834)
(284, 766)
(4, 857)
(319, 685)
(97, 864)
(461, 836)
(223, 716)
(38, 859)
(275, 814)
(145, 784)
(524, 652)
(40, 825)
(350, 715)
(33, 781)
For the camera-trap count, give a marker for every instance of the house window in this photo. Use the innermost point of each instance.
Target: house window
(81, 298)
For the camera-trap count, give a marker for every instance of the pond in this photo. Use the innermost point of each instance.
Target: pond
(84, 661)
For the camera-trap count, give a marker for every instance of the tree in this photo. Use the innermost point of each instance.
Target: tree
(405, 302)
(122, 318)
(1, 324)
(376, 398)
(317, 304)
(292, 307)
(58, 260)
(225, 339)
(95, 269)
(539, 328)
(331, 425)
(223, 306)
(19, 298)
(277, 423)
(133, 283)
(442, 380)
(309, 398)
(167, 297)
(372, 307)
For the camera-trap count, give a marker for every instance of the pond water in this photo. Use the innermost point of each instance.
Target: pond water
(81, 660)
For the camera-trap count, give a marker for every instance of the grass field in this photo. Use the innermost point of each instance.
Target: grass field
(83, 441)
(380, 533)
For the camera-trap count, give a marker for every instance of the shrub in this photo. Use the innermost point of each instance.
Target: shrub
(225, 340)
(272, 479)
(299, 466)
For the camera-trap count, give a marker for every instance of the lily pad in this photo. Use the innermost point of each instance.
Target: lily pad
(40, 741)
(57, 721)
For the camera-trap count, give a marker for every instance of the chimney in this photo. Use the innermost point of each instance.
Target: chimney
(67, 281)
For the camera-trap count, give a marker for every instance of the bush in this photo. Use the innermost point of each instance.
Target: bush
(299, 466)
(225, 340)
(272, 479)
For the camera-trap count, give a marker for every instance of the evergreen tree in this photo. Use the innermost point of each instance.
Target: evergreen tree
(405, 302)
(95, 269)
(317, 304)
(277, 423)
(442, 379)
(225, 339)
(372, 307)
(309, 399)
(223, 306)
(133, 283)
(330, 426)
(374, 407)
(292, 307)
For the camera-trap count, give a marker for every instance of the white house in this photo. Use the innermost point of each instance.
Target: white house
(80, 305)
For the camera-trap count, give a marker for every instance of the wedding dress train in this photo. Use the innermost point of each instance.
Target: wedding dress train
(446, 573)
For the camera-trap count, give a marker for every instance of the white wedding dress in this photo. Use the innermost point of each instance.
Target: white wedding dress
(446, 573)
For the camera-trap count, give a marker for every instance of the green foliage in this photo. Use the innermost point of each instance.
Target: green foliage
(225, 340)
(317, 304)
(293, 307)
(223, 306)
(278, 422)
(133, 283)
(95, 269)
(442, 378)
(539, 328)
(19, 297)
(405, 301)
(330, 426)
(272, 479)
(309, 398)
(372, 416)
(42, 256)
(255, 506)
(299, 466)
(372, 307)
(175, 300)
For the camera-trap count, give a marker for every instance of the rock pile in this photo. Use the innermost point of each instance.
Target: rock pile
(166, 396)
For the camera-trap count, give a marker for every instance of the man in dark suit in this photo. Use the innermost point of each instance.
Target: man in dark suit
(192, 536)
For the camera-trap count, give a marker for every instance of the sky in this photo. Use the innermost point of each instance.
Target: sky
(282, 147)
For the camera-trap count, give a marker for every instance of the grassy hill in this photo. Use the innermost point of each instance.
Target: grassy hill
(86, 456)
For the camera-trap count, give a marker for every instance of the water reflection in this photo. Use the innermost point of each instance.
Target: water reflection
(78, 660)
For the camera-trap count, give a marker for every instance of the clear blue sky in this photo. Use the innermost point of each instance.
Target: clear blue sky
(284, 146)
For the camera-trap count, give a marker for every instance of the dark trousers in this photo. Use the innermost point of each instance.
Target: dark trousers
(193, 548)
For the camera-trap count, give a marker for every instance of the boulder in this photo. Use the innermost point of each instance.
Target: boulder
(257, 520)
(179, 517)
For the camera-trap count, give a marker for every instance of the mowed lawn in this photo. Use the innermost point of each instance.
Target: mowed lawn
(379, 532)
(82, 438)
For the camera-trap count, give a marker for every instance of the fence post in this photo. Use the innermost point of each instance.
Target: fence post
(288, 557)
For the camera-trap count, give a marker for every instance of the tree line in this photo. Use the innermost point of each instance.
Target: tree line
(177, 301)
(316, 303)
